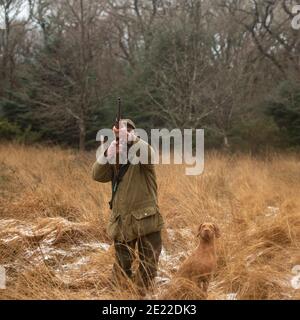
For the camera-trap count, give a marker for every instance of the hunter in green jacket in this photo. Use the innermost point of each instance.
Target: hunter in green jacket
(135, 218)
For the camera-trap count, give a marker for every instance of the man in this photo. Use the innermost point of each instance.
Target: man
(135, 219)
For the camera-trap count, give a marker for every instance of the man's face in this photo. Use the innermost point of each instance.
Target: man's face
(128, 126)
(123, 133)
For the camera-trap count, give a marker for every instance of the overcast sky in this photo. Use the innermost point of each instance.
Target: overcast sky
(21, 14)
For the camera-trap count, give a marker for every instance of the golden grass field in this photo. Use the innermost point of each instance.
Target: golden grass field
(53, 216)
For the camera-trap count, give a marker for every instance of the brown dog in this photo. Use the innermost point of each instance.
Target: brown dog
(201, 264)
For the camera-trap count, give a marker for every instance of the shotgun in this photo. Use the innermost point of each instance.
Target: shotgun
(120, 170)
(118, 118)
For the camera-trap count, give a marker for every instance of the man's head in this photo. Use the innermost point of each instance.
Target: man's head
(125, 132)
(129, 123)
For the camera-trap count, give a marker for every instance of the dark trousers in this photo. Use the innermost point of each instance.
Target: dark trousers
(149, 249)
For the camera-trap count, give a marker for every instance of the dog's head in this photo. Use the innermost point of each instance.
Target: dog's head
(208, 231)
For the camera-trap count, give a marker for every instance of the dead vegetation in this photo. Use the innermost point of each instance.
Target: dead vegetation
(53, 243)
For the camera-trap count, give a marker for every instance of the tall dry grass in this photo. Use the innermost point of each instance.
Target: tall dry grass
(53, 216)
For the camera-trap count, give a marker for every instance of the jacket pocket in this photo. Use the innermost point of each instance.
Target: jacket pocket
(144, 213)
(146, 221)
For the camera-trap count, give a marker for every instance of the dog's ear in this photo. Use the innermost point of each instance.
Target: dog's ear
(199, 230)
(217, 231)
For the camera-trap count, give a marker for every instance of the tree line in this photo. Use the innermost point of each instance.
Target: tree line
(228, 66)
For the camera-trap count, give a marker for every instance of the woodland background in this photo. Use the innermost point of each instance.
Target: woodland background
(228, 66)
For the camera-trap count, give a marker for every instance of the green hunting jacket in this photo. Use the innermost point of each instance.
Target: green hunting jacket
(135, 211)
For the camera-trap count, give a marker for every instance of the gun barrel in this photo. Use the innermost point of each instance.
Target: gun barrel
(119, 113)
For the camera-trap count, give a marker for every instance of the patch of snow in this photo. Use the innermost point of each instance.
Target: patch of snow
(91, 245)
(184, 232)
(104, 246)
(171, 234)
(2, 277)
(296, 270)
(45, 251)
(9, 239)
(7, 222)
(163, 254)
(170, 262)
(295, 281)
(77, 264)
(231, 296)
(162, 280)
(272, 211)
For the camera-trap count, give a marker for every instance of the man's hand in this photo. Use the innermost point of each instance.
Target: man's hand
(124, 135)
(121, 133)
(114, 149)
